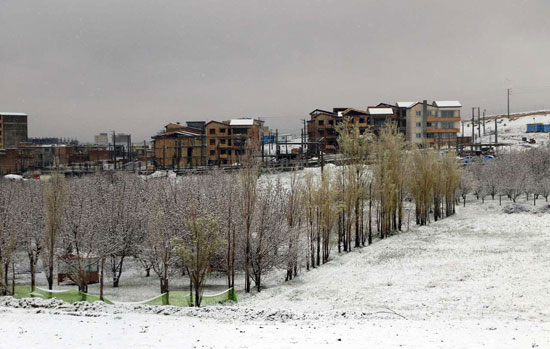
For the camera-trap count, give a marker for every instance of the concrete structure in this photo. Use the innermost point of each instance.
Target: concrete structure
(13, 130)
(228, 140)
(435, 124)
(179, 147)
(101, 139)
(322, 126)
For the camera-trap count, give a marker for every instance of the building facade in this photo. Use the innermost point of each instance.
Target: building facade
(179, 147)
(435, 124)
(228, 140)
(13, 130)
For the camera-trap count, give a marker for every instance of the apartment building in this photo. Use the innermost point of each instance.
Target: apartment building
(227, 140)
(13, 129)
(321, 127)
(435, 124)
(179, 147)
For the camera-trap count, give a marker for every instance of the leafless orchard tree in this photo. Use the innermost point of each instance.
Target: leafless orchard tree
(30, 224)
(8, 234)
(54, 202)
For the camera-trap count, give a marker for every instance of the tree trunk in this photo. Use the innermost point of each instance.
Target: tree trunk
(101, 284)
(33, 272)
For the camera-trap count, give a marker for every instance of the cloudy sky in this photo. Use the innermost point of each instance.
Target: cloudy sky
(82, 67)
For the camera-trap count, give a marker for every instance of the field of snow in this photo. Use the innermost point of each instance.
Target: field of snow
(511, 130)
(479, 278)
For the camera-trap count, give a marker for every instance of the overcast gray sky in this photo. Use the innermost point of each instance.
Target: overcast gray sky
(82, 67)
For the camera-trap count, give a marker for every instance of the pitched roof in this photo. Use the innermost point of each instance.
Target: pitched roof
(447, 104)
(217, 122)
(321, 111)
(353, 110)
(241, 122)
(380, 111)
(177, 133)
(406, 104)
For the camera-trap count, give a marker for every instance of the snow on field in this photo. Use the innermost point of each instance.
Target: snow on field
(480, 278)
(512, 130)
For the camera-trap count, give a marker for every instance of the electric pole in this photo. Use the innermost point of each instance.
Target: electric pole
(473, 132)
(508, 94)
(484, 122)
(479, 124)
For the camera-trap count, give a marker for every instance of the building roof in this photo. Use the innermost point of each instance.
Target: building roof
(217, 122)
(380, 111)
(177, 133)
(241, 122)
(13, 114)
(321, 111)
(353, 110)
(406, 104)
(447, 104)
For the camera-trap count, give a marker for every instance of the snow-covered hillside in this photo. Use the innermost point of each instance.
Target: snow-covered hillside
(512, 130)
(479, 278)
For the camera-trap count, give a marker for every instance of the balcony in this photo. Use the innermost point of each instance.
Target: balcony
(431, 129)
(432, 118)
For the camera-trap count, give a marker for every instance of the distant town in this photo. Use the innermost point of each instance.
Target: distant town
(197, 145)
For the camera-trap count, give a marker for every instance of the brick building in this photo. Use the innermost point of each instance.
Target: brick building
(227, 140)
(179, 147)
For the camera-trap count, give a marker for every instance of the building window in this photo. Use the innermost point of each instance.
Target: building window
(222, 151)
(321, 133)
(419, 124)
(212, 131)
(212, 142)
(229, 142)
(222, 141)
(321, 122)
(229, 152)
(418, 135)
(222, 130)
(429, 124)
(331, 122)
(447, 124)
(212, 152)
(362, 120)
(418, 113)
(447, 113)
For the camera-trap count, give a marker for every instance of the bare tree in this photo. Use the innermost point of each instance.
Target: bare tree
(8, 236)
(54, 201)
(31, 223)
(198, 251)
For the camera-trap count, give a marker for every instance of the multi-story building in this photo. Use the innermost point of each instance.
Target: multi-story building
(101, 139)
(228, 140)
(13, 129)
(179, 147)
(322, 126)
(435, 124)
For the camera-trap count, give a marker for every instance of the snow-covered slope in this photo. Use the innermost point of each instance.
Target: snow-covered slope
(477, 279)
(512, 130)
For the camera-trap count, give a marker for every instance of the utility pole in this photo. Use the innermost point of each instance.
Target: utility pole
(496, 131)
(508, 94)
(114, 150)
(479, 124)
(473, 133)
(484, 122)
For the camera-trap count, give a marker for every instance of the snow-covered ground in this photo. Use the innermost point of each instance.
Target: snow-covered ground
(512, 130)
(479, 278)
